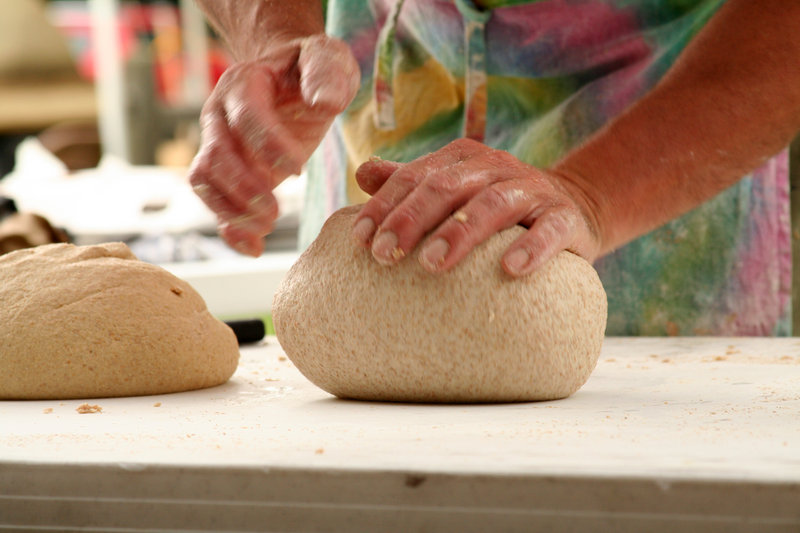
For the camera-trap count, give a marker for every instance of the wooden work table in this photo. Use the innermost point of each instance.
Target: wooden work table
(672, 434)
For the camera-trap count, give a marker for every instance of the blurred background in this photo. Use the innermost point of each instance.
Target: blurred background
(99, 107)
(66, 65)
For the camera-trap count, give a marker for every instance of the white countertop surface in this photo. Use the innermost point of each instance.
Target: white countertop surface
(659, 419)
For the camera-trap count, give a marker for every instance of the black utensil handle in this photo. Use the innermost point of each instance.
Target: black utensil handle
(247, 331)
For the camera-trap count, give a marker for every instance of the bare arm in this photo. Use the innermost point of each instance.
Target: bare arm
(731, 101)
(251, 27)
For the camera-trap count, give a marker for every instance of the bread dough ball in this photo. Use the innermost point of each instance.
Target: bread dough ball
(473, 334)
(94, 321)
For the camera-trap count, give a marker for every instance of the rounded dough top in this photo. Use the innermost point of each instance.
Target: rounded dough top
(473, 334)
(94, 321)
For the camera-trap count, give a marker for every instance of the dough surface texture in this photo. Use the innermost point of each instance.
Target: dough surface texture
(473, 334)
(94, 321)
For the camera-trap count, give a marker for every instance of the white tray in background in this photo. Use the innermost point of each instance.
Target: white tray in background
(236, 287)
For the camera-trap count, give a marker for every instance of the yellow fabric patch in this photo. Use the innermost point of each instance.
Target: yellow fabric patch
(419, 94)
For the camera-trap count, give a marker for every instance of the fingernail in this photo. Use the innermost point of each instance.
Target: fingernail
(201, 189)
(516, 260)
(240, 220)
(385, 248)
(363, 230)
(279, 161)
(433, 254)
(257, 201)
(375, 158)
(262, 204)
(242, 247)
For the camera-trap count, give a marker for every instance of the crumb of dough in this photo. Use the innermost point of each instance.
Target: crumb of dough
(720, 358)
(48, 410)
(282, 358)
(319, 451)
(672, 329)
(85, 408)
(157, 404)
(460, 216)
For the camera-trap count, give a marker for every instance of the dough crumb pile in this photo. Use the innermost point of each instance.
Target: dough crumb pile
(474, 334)
(94, 321)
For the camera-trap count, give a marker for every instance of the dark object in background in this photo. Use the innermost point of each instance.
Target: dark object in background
(26, 230)
(247, 331)
(76, 144)
(8, 152)
(7, 207)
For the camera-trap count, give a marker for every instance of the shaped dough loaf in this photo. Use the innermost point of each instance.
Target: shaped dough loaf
(94, 321)
(474, 334)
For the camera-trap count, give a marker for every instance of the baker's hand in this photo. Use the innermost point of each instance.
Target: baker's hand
(261, 124)
(464, 193)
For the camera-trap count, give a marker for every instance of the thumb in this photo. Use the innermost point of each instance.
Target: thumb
(373, 174)
(329, 74)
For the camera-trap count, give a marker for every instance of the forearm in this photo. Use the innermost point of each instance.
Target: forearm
(250, 27)
(731, 101)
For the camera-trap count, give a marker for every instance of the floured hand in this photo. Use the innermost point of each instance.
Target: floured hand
(461, 195)
(261, 124)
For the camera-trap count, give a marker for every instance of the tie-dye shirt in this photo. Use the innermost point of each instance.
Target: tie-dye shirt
(535, 78)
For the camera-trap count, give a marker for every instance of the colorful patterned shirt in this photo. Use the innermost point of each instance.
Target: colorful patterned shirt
(535, 78)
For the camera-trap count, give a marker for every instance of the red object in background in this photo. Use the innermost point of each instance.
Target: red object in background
(155, 26)
(74, 21)
(218, 61)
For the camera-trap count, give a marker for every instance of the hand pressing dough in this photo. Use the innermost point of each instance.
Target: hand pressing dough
(94, 321)
(474, 334)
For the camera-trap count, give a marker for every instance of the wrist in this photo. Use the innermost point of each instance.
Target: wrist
(589, 203)
(251, 29)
